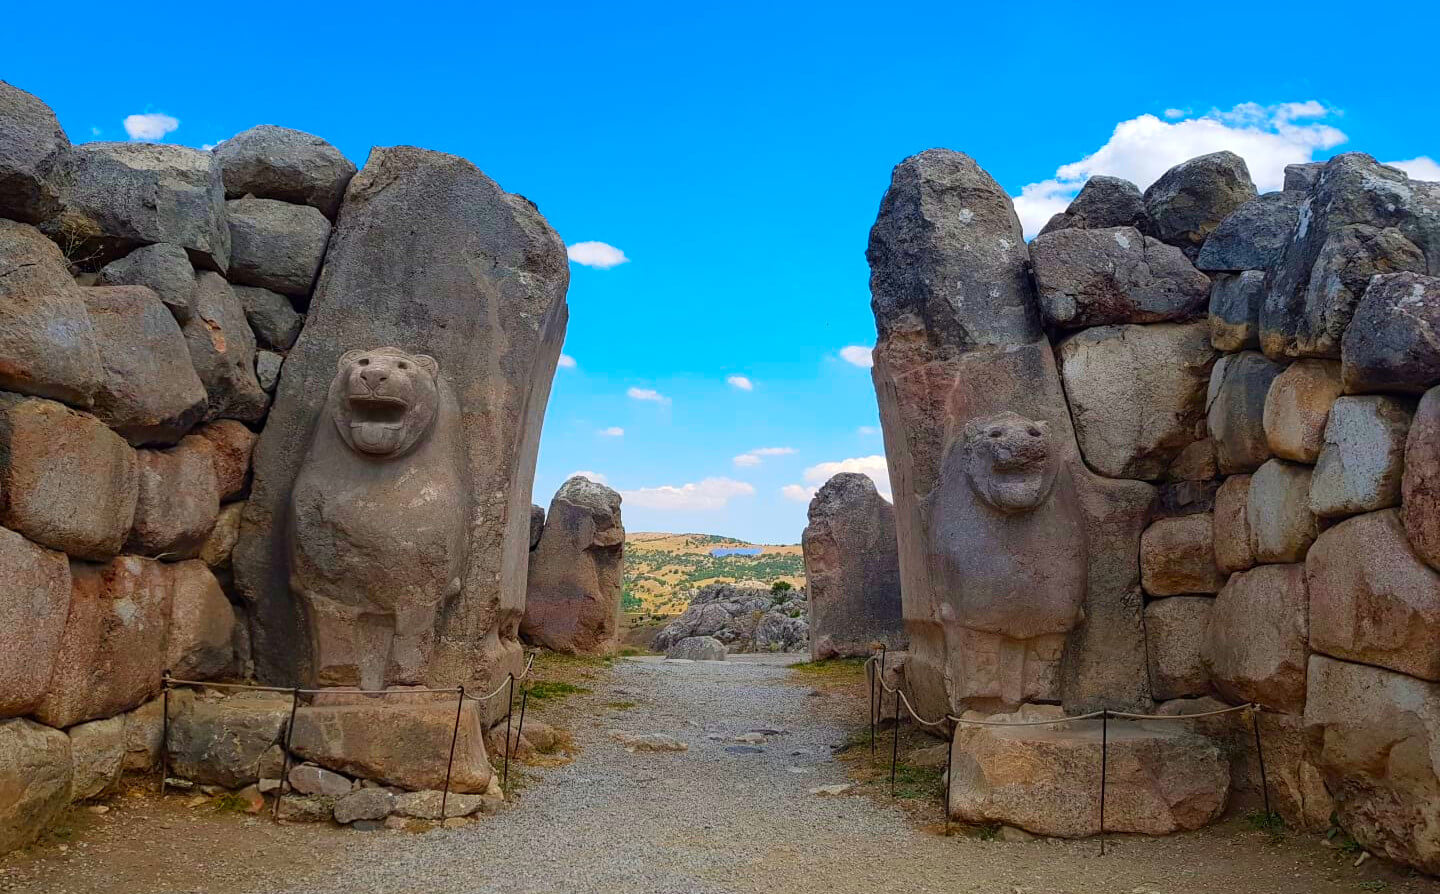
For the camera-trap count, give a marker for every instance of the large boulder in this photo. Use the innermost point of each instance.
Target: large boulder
(1420, 485)
(1298, 407)
(1277, 512)
(735, 613)
(222, 347)
(1360, 218)
(433, 257)
(1103, 202)
(1377, 733)
(1233, 551)
(1177, 557)
(1371, 599)
(1046, 779)
(231, 444)
(1392, 342)
(97, 756)
(1361, 464)
(36, 771)
(30, 144)
(119, 196)
(273, 319)
(1235, 300)
(1116, 275)
(1302, 177)
(68, 481)
(1253, 236)
(221, 542)
(1137, 394)
(1256, 643)
(572, 601)
(148, 391)
(112, 652)
(1174, 637)
(47, 345)
(279, 163)
(164, 269)
(398, 743)
(225, 741)
(276, 245)
(179, 499)
(852, 569)
(1190, 200)
(697, 648)
(34, 602)
(1235, 410)
(202, 624)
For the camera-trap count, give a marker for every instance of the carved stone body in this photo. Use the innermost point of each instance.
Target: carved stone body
(380, 520)
(1008, 555)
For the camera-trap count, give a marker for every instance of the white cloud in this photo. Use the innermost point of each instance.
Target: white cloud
(613, 431)
(1420, 168)
(647, 394)
(149, 126)
(753, 457)
(593, 476)
(711, 493)
(859, 355)
(566, 362)
(600, 255)
(868, 430)
(1174, 113)
(798, 493)
(95, 131)
(746, 460)
(1143, 148)
(741, 382)
(873, 466)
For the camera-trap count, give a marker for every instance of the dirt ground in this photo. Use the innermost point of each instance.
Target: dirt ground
(142, 843)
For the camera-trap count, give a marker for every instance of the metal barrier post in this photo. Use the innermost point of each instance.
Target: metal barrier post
(164, 729)
(454, 735)
(949, 766)
(1260, 754)
(285, 756)
(1104, 760)
(870, 672)
(895, 745)
(509, 712)
(520, 727)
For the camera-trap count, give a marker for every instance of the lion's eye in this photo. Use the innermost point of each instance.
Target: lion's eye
(995, 433)
(404, 365)
(1034, 432)
(364, 361)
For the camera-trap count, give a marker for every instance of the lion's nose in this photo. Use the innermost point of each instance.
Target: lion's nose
(373, 377)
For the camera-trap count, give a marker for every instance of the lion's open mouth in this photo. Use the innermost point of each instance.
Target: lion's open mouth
(378, 410)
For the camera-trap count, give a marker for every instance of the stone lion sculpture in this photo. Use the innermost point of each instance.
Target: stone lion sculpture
(380, 519)
(1008, 552)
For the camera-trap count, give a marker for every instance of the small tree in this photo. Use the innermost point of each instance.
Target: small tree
(781, 586)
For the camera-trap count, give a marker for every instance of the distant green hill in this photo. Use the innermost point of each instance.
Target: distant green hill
(660, 568)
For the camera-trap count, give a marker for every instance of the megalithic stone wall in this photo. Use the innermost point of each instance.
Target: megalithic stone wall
(429, 255)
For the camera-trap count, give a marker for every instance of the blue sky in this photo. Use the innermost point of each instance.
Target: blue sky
(736, 157)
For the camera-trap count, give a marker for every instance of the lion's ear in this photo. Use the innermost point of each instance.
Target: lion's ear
(348, 358)
(430, 364)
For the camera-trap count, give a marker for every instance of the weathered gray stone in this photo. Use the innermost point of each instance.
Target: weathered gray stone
(1174, 636)
(34, 602)
(221, 542)
(1235, 300)
(30, 144)
(1235, 410)
(164, 269)
(1371, 598)
(1137, 394)
(572, 601)
(1376, 734)
(1177, 557)
(1256, 643)
(1116, 275)
(280, 163)
(1420, 485)
(364, 804)
(267, 370)
(1360, 218)
(1103, 202)
(276, 245)
(222, 347)
(430, 256)
(202, 624)
(406, 745)
(68, 481)
(1298, 407)
(118, 196)
(112, 652)
(1045, 779)
(226, 741)
(1393, 342)
(179, 500)
(35, 764)
(1195, 463)
(272, 318)
(1282, 527)
(1233, 551)
(47, 345)
(426, 805)
(852, 570)
(144, 733)
(97, 756)
(1190, 200)
(148, 391)
(1302, 177)
(537, 524)
(310, 779)
(746, 616)
(1253, 236)
(1363, 460)
(231, 444)
(697, 648)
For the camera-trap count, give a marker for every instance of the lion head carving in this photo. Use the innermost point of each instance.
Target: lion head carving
(1010, 461)
(384, 400)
